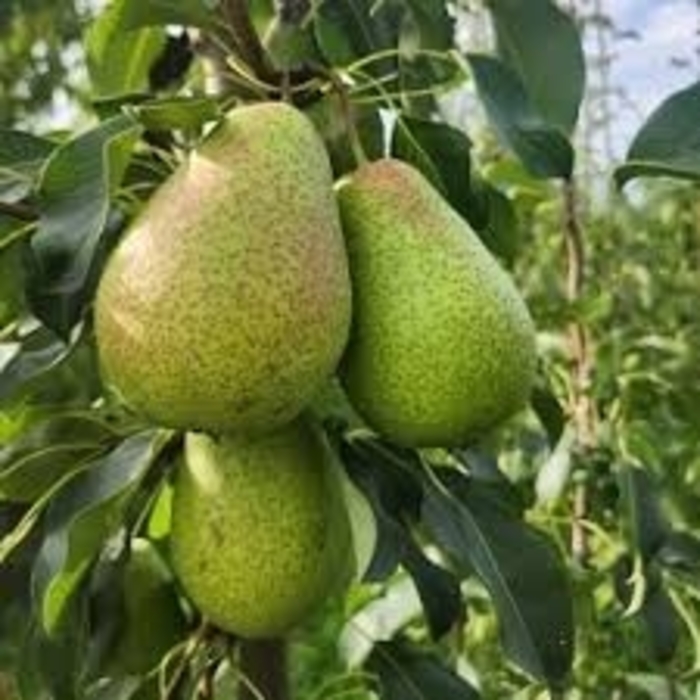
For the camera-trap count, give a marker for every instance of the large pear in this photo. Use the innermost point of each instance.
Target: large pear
(260, 531)
(227, 303)
(442, 346)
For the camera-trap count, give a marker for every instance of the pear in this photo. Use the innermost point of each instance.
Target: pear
(260, 532)
(442, 346)
(227, 304)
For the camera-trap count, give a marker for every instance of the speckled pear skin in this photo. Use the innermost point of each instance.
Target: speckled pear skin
(442, 346)
(260, 532)
(227, 304)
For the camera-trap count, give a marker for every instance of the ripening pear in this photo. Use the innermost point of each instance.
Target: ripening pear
(260, 532)
(442, 346)
(227, 303)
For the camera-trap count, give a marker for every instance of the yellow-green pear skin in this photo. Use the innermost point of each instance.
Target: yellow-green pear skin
(442, 346)
(260, 532)
(227, 303)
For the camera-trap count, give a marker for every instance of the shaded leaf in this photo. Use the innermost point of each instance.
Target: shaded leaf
(81, 517)
(36, 355)
(76, 188)
(541, 43)
(549, 412)
(407, 673)
(543, 149)
(118, 59)
(680, 550)
(22, 156)
(519, 566)
(668, 144)
(147, 13)
(662, 624)
(648, 528)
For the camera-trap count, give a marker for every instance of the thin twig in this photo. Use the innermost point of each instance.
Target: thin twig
(18, 211)
(582, 407)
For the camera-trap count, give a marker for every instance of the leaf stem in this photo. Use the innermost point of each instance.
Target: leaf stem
(252, 52)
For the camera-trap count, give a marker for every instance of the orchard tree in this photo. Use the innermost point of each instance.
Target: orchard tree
(549, 552)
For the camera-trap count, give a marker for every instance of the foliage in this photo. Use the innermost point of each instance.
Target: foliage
(474, 588)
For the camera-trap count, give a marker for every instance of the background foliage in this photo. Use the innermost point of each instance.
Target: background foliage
(558, 558)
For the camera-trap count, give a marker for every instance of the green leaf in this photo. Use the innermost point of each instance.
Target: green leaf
(541, 43)
(22, 156)
(662, 624)
(177, 113)
(519, 566)
(350, 29)
(82, 517)
(148, 13)
(37, 354)
(549, 412)
(544, 150)
(442, 153)
(647, 526)
(680, 551)
(668, 144)
(119, 59)
(78, 182)
(405, 672)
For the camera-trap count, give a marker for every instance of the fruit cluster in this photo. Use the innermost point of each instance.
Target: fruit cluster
(244, 285)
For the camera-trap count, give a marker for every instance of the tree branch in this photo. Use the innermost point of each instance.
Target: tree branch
(581, 404)
(18, 211)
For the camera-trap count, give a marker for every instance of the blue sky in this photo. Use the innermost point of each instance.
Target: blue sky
(644, 68)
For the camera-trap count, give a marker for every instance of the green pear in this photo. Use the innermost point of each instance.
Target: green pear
(442, 346)
(153, 621)
(227, 304)
(260, 533)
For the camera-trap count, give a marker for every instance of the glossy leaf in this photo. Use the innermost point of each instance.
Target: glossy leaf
(177, 113)
(37, 354)
(76, 188)
(541, 43)
(81, 517)
(520, 567)
(543, 149)
(405, 672)
(668, 144)
(119, 60)
(22, 156)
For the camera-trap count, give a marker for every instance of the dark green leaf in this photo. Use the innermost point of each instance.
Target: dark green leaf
(543, 149)
(647, 525)
(406, 673)
(177, 113)
(80, 519)
(22, 156)
(348, 29)
(77, 185)
(680, 550)
(662, 625)
(148, 13)
(549, 411)
(541, 43)
(521, 569)
(118, 59)
(668, 144)
(22, 362)
(500, 231)
(442, 154)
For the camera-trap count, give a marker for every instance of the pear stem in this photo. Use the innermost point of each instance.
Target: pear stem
(263, 668)
(582, 406)
(339, 86)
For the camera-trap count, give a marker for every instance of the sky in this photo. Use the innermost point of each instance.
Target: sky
(645, 67)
